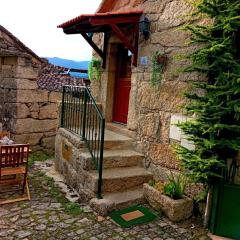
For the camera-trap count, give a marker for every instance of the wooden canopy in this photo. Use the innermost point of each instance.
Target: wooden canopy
(106, 22)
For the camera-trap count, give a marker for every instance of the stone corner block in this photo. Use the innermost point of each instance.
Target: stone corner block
(29, 125)
(55, 97)
(27, 72)
(32, 96)
(102, 206)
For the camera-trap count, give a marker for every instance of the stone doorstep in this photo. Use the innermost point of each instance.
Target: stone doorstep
(120, 179)
(117, 201)
(122, 129)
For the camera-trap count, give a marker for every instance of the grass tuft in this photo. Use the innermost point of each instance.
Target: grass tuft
(38, 157)
(71, 208)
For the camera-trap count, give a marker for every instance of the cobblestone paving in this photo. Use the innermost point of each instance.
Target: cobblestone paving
(49, 216)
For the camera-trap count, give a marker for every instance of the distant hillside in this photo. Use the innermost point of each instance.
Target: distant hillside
(70, 64)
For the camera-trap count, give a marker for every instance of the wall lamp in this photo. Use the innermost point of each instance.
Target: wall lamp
(144, 27)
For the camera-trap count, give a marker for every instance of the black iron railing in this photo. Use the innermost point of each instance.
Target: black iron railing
(81, 115)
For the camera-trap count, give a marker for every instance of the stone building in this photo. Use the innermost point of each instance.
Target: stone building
(29, 91)
(151, 110)
(135, 102)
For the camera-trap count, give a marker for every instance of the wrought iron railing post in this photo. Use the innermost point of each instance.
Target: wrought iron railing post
(100, 167)
(63, 107)
(84, 113)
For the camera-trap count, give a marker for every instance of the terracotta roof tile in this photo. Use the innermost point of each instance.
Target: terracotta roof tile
(53, 78)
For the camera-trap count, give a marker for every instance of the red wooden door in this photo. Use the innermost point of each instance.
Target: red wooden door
(122, 86)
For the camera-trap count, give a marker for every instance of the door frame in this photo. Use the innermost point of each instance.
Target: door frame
(117, 77)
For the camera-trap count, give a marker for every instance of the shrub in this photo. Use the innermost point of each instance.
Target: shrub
(215, 102)
(175, 186)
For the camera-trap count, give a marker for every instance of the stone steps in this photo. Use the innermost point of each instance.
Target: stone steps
(120, 179)
(123, 174)
(114, 159)
(126, 198)
(114, 141)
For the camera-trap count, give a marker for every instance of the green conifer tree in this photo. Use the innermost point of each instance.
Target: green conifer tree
(215, 102)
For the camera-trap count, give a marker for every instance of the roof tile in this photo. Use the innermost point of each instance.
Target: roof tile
(53, 78)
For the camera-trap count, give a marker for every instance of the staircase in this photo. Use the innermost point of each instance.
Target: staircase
(123, 174)
(120, 174)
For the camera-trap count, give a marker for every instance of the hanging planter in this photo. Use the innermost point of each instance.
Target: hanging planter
(159, 62)
(94, 69)
(162, 60)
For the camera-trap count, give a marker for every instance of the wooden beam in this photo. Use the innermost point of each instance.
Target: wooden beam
(122, 37)
(106, 20)
(93, 45)
(136, 36)
(105, 46)
(127, 43)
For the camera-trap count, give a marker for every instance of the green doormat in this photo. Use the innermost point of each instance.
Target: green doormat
(132, 216)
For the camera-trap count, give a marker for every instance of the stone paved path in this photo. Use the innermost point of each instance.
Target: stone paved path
(50, 216)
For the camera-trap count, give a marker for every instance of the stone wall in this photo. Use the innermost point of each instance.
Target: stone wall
(30, 114)
(152, 108)
(70, 163)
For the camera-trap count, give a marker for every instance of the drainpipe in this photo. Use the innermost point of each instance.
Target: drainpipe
(208, 207)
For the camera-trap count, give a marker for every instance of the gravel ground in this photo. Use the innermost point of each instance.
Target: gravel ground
(49, 215)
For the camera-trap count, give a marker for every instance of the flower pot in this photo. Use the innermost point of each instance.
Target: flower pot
(175, 210)
(162, 59)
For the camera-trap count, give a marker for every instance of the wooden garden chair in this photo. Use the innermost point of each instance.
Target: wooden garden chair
(13, 171)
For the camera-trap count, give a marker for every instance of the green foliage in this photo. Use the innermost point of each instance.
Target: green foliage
(175, 186)
(94, 69)
(169, 190)
(215, 102)
(71, 208)
(157, 70)
(38, 157)
(152, 183)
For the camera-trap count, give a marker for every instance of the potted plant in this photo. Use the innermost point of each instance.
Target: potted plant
(169, 197)
(159, 62)
(162, 59)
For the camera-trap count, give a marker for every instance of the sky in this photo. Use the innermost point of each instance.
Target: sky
(34, 22)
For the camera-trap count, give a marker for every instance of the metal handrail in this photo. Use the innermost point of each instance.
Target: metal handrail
(81, 115)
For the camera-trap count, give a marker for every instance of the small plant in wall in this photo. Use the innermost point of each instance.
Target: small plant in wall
(159, 61)
(94, 69)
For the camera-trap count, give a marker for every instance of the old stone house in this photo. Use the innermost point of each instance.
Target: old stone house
(29, 91)
(132, 104)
